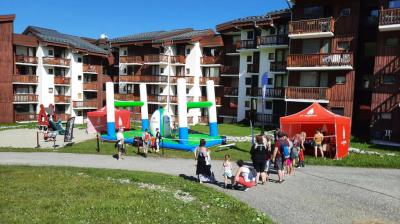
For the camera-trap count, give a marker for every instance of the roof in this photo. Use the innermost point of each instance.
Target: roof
(53, 36)
(187, 36)
(149, 36)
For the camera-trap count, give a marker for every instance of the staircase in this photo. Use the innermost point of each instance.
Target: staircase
(391, 68)
(385, 107)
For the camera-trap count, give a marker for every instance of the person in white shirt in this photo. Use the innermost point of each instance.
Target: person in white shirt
(120, 143)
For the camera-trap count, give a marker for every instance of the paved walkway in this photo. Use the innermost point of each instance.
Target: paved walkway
(313, 195)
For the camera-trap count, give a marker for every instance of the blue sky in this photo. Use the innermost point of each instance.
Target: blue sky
(123, 17)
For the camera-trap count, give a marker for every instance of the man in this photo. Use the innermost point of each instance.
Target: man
(158, 140)
(120, 143)
(277, 155)
(318, 139)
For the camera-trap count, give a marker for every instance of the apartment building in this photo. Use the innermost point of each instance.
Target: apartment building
(254, 47)
(159, 59)
(47, 67)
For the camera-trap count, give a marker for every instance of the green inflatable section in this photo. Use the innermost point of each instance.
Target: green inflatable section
(128, 103)
(204, 104)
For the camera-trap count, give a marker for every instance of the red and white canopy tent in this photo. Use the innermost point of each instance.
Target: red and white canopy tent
(317, 117)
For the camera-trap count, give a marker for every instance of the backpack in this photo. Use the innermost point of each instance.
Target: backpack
(285, 152)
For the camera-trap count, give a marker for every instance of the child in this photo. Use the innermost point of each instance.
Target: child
(158, 140)
(227, 170)
(146, 142)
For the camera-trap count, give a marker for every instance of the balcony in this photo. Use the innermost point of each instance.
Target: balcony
(230, 70)
(161, 99)
(180, 59)
(268, 119)
(271, 93)
(312, 28)
(247, 44)
(61, 80)
(203, 80)
(278, 67)
(64, 117)
(89, 69)
(25, 98)
(389, 20)
(307, 94)
(156, 59)
(23, 117)
(253, 68)
(131, 60)
(275, 41)
(25, 79)
(91, 86)
(87, 104)
(51, 61)
(232, 48)
(231, 91)
(23, 59)
(62, 99)
(126, 97)
(320, 62)
(211, 60)
(174, 79)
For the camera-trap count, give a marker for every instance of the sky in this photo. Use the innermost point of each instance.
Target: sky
(116, 18)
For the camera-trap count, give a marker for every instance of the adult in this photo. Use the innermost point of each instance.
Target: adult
(267, 143)
(278, 155)
(276, 132)
(258, 156)
(318, 138)
(203, 167)
(303, 136)
(120, 143)
(244, 176)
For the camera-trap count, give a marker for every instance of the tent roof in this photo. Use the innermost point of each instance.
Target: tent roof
(315, 113)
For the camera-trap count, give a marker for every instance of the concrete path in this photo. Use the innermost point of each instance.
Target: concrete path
(314, 195)
(13, 137)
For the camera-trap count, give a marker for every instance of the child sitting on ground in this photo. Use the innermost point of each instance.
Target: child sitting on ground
(228, 176)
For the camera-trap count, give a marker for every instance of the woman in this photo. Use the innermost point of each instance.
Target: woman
(268, 143)
(203, 167)
(303, 136)
(258, 156)
(243, 176)
(318, 138)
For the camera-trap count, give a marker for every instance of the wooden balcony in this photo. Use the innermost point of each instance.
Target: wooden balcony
(248, 44)
(189, 79)
(180, 59)
(25, 59)
(21, 117)
(155, 58)
(312, 28)
(273, 40)
(161, 99)
(203, 80)
(277, 93)
(89, 68)
(126, 97)
(253, 68)
(131, 59)
(314, 62)
(211, 60)
(90, 86)
(85, 104)
(62, 99)
(232, 48)
(231, 70)
(61, 80)
(389, 20)
(278, 66)
(25, 79)
(231, 91)
(64, 117)
(307, 94)
(25, 98)
(268, 119)
(56, 61)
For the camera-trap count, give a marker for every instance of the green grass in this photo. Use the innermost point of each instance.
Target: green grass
(358, 160)
(355, 143)
(8, 126)
(77, 195)
(228, 129)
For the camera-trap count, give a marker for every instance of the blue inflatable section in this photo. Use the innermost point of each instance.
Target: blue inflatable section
(183, 135)
(111, 129)
(145, 124)
(213, 129)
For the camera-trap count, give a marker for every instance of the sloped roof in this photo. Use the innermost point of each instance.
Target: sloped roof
(186, 36)
(149, 36)
(53, 36)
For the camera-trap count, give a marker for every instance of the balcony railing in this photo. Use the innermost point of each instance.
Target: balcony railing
(174, 79)
(85, 104)
(278, 66)
(89, 68)
(64, 117)
(25, 59)
(312, 26)
(319, 60)
(25, 78)
(232, 48)
(130, 59)
(161, 99)
(155, 58)
(203, 80)
(206, 60)
(25, 98)
(273, 40)
(389, 17)
(90, 86)
(231, 91)
(310, 93)
(248, 44)
(62, 99)
(272, 92)
(180, 59)
(61, 80)
(18, 117)
(126, 97)
(56, 61)
(229, 70)
(270, 119)
(253, 68)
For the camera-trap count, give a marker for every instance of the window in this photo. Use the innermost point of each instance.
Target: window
(313, 12)
(187, 71)
(338, 110)
(248, 81)
(125, 71)
(308, 79)
(51, 71)
(394, 4)
(79, 59)
(345, 12)
(386, 116)
(161, 70)
(340, 79)
(248, 91)
(79, 77)
(268, 105)
(249, 59)
(250, 35)
(271, 56)
(80, 113)
(187, 51)
(50, 52)
(392, 42)
(247, 104)
(370, 49)
(389, 79)
(50, 90)
(125, 52)
(272, 31)
(162, 50)
(270, 81)
(343, 46)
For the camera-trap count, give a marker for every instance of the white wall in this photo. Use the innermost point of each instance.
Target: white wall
(76, 70)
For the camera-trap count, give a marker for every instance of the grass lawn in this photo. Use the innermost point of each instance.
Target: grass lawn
(228, 129)
(78, 195)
